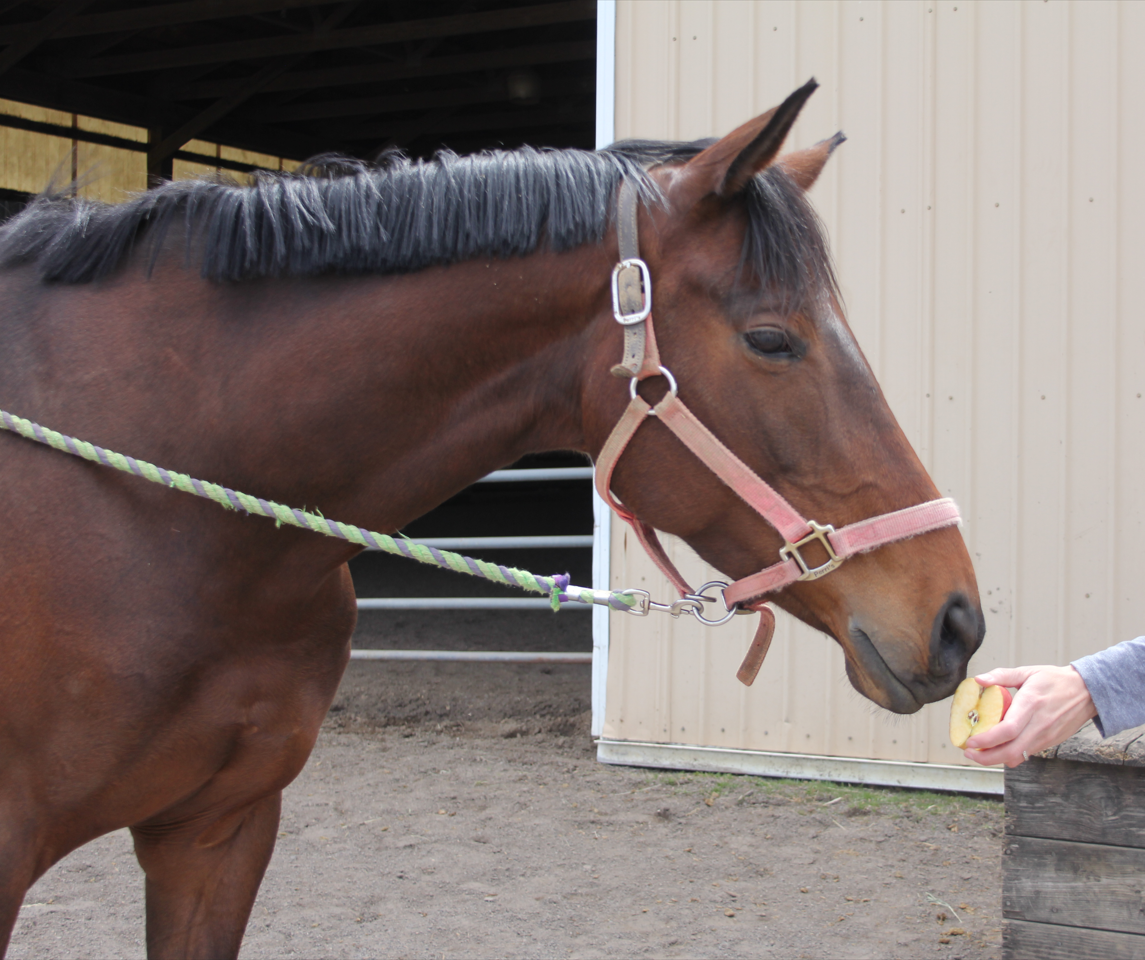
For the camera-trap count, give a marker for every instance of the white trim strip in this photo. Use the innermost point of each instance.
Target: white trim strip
(802, 766)
(471, 656)
(538, 473)
(464, 603)
(506, 543)
(601, 514)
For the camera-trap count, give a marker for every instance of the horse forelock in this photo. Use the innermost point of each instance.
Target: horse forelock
(342, 216)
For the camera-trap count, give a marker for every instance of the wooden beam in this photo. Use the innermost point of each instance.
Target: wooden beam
(220, 108)
(217, 110)
(399, 32)
(156, 15)
(40, 31)
(378, 73)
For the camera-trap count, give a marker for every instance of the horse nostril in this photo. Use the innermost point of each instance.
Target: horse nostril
(959, 630)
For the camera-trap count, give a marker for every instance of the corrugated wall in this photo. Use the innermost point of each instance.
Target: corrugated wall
(987, 216)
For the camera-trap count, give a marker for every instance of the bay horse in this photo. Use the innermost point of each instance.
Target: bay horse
(369, 340)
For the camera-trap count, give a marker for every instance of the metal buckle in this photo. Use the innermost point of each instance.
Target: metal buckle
(819, 532)
(627, 319)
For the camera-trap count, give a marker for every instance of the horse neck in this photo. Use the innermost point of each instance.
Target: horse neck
(380, 397)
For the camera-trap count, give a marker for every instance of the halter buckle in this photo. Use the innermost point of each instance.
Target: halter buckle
(637, 316)
(821, 533)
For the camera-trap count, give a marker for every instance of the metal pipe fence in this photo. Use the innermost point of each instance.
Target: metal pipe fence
(575, 541)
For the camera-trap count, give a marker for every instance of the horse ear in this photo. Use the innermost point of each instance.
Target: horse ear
(728, 165)
(804, 166)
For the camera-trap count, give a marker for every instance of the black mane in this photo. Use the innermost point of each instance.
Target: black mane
(339, 216)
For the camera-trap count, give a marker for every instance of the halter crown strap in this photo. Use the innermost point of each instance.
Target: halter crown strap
(632, 307)
(632, 292)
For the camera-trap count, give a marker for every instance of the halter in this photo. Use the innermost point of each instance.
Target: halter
(632, 307)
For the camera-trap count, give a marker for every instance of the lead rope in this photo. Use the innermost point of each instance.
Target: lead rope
(556, 587)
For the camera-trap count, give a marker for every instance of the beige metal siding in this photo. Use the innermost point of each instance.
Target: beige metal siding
(987, 216)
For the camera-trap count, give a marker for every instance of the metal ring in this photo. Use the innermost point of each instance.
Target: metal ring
(665, 372)
(699, 595)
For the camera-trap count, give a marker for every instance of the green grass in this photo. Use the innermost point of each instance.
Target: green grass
(852, 799)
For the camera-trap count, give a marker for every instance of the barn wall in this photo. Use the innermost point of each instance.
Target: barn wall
(29, 161)
(987, 217)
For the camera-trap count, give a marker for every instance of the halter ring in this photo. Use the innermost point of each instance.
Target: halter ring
(664, 372)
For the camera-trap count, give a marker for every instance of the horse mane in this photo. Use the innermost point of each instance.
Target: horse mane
(341, 216)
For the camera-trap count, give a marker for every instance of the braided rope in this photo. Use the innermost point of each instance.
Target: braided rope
(557, 587)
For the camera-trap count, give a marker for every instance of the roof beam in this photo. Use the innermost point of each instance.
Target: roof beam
(217, 110)
(376, 73)
(156, 15)
(220, 108)
(37, 33)
(398, 32)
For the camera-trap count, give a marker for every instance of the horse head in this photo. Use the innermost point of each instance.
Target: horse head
(750, 325)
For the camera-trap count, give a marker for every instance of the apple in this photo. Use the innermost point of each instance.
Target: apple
(976, 709)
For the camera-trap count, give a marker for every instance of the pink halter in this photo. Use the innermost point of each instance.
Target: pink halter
(632, 307)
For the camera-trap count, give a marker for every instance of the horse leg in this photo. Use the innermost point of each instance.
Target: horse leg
(17, 873)
(202, 879)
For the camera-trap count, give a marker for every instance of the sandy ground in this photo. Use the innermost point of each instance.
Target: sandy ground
(459, 811)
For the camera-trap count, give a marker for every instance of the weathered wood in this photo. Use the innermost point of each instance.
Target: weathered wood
(1072, 800)
(1076, 884)
(1125, 749)
(1049, 941)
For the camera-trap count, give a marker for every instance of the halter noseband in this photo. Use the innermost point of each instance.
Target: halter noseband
(632, 307)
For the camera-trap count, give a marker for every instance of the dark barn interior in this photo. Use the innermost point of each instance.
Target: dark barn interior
(300, 78)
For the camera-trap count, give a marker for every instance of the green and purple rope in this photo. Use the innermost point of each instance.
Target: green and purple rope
(556, 587)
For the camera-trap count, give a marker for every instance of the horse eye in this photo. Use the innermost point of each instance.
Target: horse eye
(770, 341)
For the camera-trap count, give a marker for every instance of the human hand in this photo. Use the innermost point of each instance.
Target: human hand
(1051, 704)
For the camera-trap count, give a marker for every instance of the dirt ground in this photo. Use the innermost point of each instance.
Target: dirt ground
(458, 811)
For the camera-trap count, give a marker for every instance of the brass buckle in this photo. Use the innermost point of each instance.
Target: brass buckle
(819, 532)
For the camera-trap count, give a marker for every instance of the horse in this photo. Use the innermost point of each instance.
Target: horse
(368, 340)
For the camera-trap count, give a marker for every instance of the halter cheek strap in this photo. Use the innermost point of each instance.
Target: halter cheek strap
(632, 306)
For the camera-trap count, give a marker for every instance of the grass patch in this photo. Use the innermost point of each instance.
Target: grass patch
(849, 799)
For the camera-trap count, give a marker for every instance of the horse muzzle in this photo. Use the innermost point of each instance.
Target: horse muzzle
(887, 668)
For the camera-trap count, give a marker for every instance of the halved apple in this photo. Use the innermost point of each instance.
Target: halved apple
(976, 709)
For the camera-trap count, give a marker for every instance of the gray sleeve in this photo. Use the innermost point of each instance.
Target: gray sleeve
(1116, 681)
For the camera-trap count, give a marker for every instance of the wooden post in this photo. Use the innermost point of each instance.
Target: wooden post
(161, 169)
(1073, 868)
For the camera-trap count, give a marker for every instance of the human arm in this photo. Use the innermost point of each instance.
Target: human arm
(1052, 703)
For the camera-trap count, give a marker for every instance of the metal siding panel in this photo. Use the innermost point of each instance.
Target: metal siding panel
(969, 312)
(1128, 197)
(1091, 327)
(950, 224)
(1041, 253)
